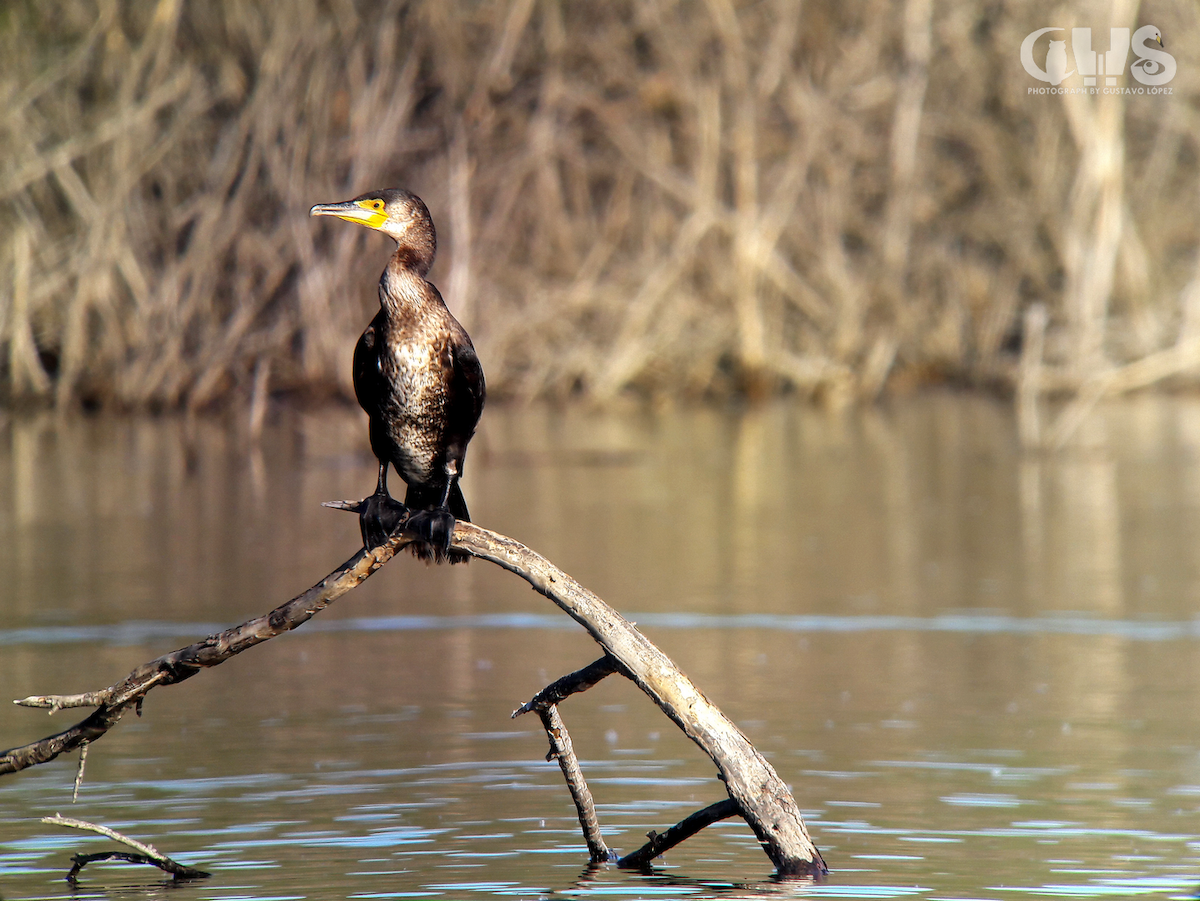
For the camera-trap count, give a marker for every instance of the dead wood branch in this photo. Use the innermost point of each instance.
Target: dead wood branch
(111, 703)
(684, 829)
(763, 798)
(147, 854)
(561, 689)
(760, 795)
(545, 702)
(563, 751)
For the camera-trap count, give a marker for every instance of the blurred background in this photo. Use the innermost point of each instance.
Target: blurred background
(697, 199)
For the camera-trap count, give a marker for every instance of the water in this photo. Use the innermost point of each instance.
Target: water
(976, 669)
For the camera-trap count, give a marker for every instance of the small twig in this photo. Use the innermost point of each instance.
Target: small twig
(146, 854)
(561, 689)
(562, 751)
(72, 823)
(83, 749)
(107, 697)
(686, 828)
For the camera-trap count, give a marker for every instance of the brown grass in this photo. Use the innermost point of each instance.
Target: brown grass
(668, 197)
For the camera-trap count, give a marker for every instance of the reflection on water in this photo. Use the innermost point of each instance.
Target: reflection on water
(977, 669)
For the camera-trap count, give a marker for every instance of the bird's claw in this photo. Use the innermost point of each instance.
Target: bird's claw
(435, 528)
(379, 516)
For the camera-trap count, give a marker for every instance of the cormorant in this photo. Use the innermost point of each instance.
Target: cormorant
(418, 378)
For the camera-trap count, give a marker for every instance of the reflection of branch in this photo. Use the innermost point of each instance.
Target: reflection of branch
(147, 854)
(760, 795)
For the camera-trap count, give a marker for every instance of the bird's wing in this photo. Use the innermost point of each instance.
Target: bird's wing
(468, 382)
(369, 383)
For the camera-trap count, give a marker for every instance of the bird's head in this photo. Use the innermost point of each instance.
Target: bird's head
(399, 214)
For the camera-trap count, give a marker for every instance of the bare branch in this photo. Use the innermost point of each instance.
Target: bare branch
(112, 702)
(759, 794)
(563, 751)
(147, 854)
(561, 689)
(684, 829)
(79, 772)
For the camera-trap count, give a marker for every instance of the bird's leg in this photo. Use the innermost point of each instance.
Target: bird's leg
(379, 515)
(436, 526)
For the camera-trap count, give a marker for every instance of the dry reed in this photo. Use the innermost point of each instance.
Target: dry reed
(669, 197)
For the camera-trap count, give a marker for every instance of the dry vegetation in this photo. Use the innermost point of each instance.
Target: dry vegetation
(697, 197)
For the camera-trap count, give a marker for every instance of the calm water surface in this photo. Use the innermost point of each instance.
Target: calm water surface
(976, 669)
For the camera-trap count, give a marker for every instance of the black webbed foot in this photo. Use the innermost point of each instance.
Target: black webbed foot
(436, 529)
(379, 516)
(379, 519)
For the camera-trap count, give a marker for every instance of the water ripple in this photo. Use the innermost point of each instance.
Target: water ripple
(144, 631)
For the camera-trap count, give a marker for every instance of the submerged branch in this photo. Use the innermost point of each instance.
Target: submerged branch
(143, 853)
(563, 751)
(684, 829)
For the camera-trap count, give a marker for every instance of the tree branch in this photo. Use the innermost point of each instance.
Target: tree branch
(684, 829)
(561, 689)
(111, 703)
(147, 854)
(762, 798)
(563, 751)
(760, 795)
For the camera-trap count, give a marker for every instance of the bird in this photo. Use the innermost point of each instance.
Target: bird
(1056, 63)
(417, 376)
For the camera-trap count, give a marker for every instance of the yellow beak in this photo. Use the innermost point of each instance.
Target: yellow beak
(359, 211)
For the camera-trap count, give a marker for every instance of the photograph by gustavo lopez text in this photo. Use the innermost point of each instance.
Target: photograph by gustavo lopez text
(1095, 71)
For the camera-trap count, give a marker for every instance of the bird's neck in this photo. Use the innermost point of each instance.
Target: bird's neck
(416, 257)
(403, 290)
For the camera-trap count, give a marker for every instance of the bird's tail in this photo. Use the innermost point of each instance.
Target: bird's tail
(458, 503)
(426, 497)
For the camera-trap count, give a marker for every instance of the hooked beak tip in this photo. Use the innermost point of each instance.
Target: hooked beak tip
(349, 211)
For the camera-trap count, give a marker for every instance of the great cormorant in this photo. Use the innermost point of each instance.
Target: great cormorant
(418, 378)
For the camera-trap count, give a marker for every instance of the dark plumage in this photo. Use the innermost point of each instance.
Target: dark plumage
(418, 378)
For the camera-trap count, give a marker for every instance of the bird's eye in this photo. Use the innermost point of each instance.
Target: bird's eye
(377, 204)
